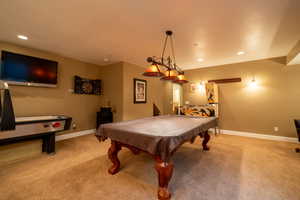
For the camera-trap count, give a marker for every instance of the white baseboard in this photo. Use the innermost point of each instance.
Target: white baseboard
(75, 134)
(222, 131)
(257, 135)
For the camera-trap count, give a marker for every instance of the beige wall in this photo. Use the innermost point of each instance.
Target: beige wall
(168, 97)
(155, 93)
(293, 53)
(274, 102)
(112, 85)
(117, 81)
(30, 101)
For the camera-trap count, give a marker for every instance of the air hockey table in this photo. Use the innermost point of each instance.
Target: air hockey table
(38, 127)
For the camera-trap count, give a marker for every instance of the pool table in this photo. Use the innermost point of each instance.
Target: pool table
(158, 136)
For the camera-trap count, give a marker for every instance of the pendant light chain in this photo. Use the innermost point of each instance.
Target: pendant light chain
(173, 52)
(164, 48)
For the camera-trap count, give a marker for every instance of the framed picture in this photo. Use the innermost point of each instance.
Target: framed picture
(193, 87)
(140, 91)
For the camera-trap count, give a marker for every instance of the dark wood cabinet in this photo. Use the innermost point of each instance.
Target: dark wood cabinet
(104, 116)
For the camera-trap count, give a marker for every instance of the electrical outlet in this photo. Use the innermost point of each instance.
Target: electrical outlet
(276, 128)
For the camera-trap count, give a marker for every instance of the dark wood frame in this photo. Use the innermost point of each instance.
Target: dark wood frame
(164, 168)
(226, 80)
(134, 90)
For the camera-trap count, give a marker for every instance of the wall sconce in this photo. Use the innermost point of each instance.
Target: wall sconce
(201, 87)
(253, 84)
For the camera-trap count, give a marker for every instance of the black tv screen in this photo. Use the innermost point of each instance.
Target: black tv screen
(27, 70)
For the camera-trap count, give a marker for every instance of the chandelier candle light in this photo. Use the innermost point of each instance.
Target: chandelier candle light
(165, 67)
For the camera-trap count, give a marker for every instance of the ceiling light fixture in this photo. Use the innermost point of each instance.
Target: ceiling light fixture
(240, 53)
(200, 59)
(22, 37)
(153, 70)
(172, 71)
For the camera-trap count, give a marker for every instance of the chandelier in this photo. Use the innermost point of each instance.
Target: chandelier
(165, 67)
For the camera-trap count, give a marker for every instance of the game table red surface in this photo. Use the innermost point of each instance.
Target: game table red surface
(158, 136)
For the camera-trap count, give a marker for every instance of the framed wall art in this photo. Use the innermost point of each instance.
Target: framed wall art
(87, 86)
(139, 91)
(193, 87)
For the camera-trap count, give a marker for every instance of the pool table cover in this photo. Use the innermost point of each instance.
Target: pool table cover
(159, 135)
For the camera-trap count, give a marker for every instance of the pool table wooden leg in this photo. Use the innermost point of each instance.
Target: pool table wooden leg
(164, 170)
(205, 141)
(113, 156)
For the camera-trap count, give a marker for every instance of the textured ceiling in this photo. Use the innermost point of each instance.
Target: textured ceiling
(131, 30)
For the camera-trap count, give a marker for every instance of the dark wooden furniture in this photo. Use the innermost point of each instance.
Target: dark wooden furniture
(104, 116)
(41, 127)
(297, 125)
(156, 111)
(160, 137)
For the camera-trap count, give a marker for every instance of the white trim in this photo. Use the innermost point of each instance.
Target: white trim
(257, 135)
(227, 132)
(74, 134)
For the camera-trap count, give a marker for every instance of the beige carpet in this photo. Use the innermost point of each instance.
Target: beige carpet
(235, 168)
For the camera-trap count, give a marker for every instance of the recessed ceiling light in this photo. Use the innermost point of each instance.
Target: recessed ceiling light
(200, 59)
(22, 37)
(240, 53)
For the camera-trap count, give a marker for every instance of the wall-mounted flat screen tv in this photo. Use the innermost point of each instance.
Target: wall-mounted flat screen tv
(17, 69)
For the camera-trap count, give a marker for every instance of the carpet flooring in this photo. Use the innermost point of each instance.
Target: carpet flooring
(236, 168)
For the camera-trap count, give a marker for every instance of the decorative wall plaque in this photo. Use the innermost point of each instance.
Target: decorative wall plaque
(87, 86)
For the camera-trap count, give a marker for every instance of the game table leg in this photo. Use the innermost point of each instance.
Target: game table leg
(48, 144)
(205, 141)
(51, 144)
(45, 143)
(113, 156)
(165, 171)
